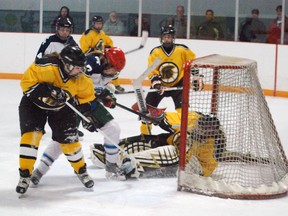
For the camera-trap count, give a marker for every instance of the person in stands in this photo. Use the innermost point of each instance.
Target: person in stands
(114, 26)
(274, 31)
(253, 29)
(63, 13)
(210, 29)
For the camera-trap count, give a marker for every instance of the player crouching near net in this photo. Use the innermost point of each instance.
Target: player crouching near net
(102, 68)
(158, 155)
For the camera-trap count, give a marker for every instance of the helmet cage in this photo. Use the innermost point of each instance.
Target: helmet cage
(107, 66)
(64, 22)
(167, 30)
(71, 57)
(97, 19)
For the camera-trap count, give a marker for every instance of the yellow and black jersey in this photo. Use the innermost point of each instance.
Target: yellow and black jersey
(174, 119)
(92, 40)
(171, 68)
(206, 149)
(47, 71)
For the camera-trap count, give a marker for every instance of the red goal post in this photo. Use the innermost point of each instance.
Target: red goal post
(230, 148)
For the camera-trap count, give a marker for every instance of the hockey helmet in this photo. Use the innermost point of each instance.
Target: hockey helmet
(167, 30)
(97, 19)
(208, 125)
(72, 56)
(115, 58)
(64, 22)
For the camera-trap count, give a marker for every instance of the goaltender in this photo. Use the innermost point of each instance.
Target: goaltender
(158, 155)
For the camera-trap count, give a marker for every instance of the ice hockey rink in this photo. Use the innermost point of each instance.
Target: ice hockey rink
(61, 193)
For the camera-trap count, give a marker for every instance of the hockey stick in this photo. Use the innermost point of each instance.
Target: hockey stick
(105, 135)
(154, 90)
(153, 120)
(178, 88)
(137, 85)
(142, 44)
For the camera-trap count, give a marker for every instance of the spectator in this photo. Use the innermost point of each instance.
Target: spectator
(64, 12)
(113, 26)
(274, 33)
(210, 29)
(253, 29)
(145, 26)
(179, 22)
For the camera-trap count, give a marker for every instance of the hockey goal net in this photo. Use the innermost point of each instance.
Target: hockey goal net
(231, 149)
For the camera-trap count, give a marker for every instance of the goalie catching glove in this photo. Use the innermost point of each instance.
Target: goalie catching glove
(197, 80)
(106, 97)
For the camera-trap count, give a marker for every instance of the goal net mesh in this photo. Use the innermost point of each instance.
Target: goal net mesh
(229, 144)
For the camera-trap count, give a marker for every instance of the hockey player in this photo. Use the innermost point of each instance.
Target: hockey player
(102, 68)
(47, 85)
(158, 155)
(95, 39)
(57, 41)
(170, 71)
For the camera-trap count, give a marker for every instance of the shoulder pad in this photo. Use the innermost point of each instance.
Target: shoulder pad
(181, 45)
(87, 31)
(154, 49)
(47, 60)
(71, 41)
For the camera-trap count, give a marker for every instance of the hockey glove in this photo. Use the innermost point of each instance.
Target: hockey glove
(92, 124)
(197, 80)
(106, 97)
(59, 95)
(156, 84)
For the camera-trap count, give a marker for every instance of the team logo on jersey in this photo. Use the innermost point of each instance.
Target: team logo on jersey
(169, 72)
(100, 45)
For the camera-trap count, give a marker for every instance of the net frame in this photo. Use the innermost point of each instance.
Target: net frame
(193, 182)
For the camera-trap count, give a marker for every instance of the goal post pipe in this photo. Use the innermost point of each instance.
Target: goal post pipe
(185, 104)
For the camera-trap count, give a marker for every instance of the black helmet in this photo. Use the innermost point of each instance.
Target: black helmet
(64, 22)
(97, 19)
(167, 30)
(73, 55)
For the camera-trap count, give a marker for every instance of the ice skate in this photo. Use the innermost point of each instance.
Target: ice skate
(36, 176)
(24, 181)
(85, 178)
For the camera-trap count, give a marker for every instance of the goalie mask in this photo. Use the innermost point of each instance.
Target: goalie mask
(74, 60)
(64, 28)
(167, 42)
(114, 62)
(97, 23)
(207, 126)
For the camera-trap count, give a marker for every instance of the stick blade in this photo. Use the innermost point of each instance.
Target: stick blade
(145, 35)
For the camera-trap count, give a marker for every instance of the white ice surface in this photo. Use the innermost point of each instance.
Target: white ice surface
(61, 193)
